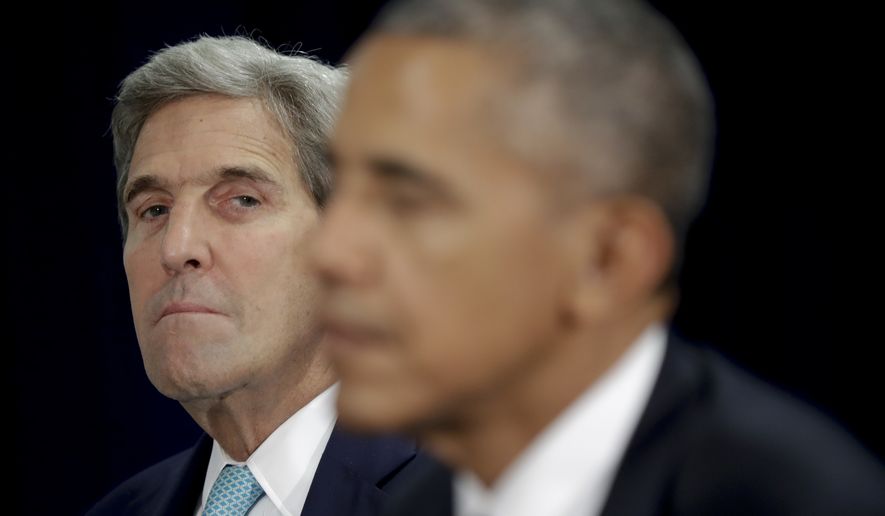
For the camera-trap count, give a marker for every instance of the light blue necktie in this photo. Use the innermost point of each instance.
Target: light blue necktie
(234, 492)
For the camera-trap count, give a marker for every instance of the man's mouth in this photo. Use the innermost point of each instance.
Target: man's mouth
(183, 307)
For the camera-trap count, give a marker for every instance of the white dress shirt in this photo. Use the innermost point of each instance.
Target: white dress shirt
(569, 468)
(285, 463)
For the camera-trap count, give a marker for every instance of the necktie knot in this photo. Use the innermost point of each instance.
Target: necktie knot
(234, 492)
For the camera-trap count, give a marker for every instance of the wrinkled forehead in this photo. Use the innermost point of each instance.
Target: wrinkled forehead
(193, 112)
(204, 129)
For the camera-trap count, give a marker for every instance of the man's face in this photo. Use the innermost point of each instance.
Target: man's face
(214, 254)
(441, 250)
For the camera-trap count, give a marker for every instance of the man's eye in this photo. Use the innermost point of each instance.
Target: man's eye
(157, 210)
(246, 201)
(405, 202)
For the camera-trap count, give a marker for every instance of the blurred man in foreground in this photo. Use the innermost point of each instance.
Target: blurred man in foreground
(514, 183)
(220, 152)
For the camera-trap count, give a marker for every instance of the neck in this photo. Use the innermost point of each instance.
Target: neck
(487, 436)
(242, 419)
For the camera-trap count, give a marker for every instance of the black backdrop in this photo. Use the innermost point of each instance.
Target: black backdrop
(772, 265)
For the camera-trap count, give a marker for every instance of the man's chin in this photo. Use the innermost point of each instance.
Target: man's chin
(364, 412)
(191, 388)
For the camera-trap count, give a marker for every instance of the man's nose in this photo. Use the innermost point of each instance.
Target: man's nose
(185, 242)
(342, 251)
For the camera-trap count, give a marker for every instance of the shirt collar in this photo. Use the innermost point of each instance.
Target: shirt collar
(285, 463)
(568, 469)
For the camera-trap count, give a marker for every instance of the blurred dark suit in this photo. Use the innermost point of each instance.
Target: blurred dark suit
(716, 441)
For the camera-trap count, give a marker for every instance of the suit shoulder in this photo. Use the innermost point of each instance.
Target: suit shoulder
(755, 443)
(128, 497)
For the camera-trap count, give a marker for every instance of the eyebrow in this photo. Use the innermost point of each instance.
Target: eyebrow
(254, 174)
(142, 184)
(400, 172)
(226, 173)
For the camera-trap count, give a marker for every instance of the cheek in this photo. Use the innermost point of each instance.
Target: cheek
(474, 314)
(269, 272)
(266, 256)
(143, 274)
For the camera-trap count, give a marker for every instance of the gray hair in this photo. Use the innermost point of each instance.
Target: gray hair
(300, 92)
(624, 99)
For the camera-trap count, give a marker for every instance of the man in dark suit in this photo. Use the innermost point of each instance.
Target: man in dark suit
(514, 181)
(219, 148)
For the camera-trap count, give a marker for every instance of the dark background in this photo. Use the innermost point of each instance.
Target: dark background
(774, 263)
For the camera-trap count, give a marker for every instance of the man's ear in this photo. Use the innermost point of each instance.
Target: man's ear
(622, 249)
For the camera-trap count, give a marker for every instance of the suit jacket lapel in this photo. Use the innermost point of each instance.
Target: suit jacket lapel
(641, 483)
(178, 493)
(353, 473)
(426, 492)
(350, 478)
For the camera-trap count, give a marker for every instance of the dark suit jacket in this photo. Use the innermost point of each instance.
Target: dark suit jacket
(715, 441)
(353, 478)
